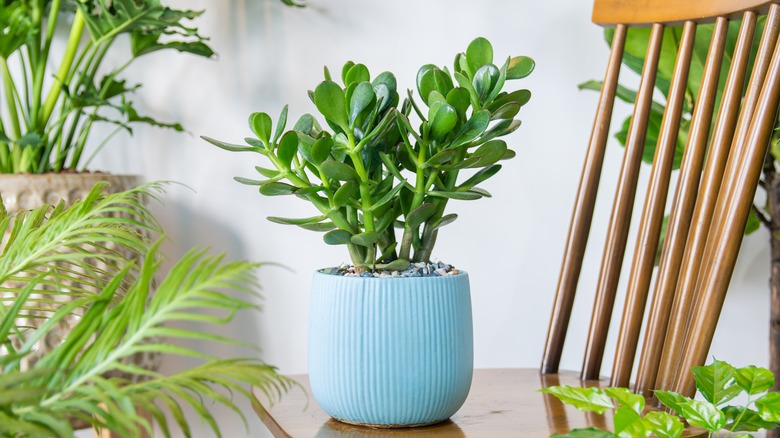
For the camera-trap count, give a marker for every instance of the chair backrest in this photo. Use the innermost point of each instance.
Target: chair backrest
(711, 201)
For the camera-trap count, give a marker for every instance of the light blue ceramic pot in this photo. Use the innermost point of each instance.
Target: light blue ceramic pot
(390, 351)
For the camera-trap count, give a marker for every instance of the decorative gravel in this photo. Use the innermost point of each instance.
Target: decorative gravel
(422, 269)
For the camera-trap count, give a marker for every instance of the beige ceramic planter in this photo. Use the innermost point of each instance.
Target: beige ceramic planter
(24, 192)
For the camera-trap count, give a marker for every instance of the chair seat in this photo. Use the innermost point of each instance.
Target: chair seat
(502, 403)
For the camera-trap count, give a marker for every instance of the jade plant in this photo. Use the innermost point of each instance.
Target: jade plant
(718, 383)
(51, 99)
(372, 168)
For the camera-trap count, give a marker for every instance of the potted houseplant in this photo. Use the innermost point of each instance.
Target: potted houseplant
(52, 99)
(114, 315)
(390, 340)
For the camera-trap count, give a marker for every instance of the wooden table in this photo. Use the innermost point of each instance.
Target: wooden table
(502, 403)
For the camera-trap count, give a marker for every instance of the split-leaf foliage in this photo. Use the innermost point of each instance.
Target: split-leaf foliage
(78, 257)
(718, 383)
(371, 169)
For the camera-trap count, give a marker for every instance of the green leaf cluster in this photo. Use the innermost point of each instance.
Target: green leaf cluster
(718, 383)
(371, 169)
(61, 264)
(45, 124)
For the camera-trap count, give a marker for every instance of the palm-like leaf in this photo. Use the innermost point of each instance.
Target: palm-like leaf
(123, 317)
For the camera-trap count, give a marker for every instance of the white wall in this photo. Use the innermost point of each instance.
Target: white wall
(511, 244)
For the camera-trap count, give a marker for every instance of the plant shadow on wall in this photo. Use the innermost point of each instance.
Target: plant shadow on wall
(766, 210)
(118, 313)
(52, 103)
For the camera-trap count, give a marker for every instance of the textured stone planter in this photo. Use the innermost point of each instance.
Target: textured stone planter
(390, 352)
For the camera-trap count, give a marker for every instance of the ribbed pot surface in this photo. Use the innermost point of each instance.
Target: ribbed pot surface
(390, 351)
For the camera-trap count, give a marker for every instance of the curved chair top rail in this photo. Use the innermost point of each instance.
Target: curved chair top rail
(646, 12)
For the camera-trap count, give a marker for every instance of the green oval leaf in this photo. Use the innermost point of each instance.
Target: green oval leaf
(320, 150)
(459, 99)
(347, 191)
(473, 128)
(305, 124)
(337, 237)
(366, 238)
(521, 97)
(338, 171)
(490, 153)
(277, 189)
(520, 67)
(361, 99)
(506, 111)
(331, 103)
(444, 220)
(260, 123)
(268, 173)
(427, 83)
(442, 81)
(441, 157)
(356, 74)
(419, 215)
(385, 89)
(485, 79)
(443, 122)
(288, 148)
(345, 69)
(479, 53)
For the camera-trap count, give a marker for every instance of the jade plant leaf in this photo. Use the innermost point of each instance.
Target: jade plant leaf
(337, 237)
(445, 120)
(520, 67)
(416, 217)
(480, 176)
(490, 153)
(301, 221)
(261, 126)
(338, 170)
(356, 74)
(277, 189)
(385, 89)
(366, 238)
(361, 99)
(281, 124)
(479, 53)
(288, 148)
(347, 191)
(475, 126)
(320, 150)
(485, 79)
(331, 102)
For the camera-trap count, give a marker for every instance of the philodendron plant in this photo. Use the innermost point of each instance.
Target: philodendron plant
(369, 171)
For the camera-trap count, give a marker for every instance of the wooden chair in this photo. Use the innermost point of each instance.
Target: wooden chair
(710, 206)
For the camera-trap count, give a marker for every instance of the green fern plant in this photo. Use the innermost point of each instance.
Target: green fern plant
(119, 315)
